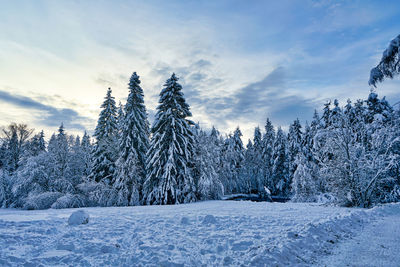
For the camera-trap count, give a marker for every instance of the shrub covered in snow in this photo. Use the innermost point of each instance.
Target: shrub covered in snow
(98, 194)
(41, 201)
(69, 201)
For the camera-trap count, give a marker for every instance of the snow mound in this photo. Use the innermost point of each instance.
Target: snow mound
(78, 217)
(209, 219)
(185, 221)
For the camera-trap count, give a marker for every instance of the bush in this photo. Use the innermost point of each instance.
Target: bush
(69, 201)
(41, 201)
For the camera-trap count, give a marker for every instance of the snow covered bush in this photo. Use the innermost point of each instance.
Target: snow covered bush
(41, 201)
(98, 194)
(69, 201)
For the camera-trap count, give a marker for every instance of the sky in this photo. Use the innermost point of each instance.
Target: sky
(239, 62)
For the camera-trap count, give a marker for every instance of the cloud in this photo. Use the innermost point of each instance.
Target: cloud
(269, 97)
(47, 115)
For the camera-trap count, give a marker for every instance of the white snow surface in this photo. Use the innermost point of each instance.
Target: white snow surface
(211, 233)
(376, 246)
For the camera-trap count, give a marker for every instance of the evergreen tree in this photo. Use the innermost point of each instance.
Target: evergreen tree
(326, 115)
(205, 165)
(16, 137)
(389, 66)
(134, 143)
(35, 146)
(280, 167)
(86, 147)
(334, 117)
(377, 108)
(106, 146)
(295, 137)
(77, 161)
(169, 163)
(60, 157)
(253, 166)
(315, 123)
(268, 145)
(306, 184)
(232, 157)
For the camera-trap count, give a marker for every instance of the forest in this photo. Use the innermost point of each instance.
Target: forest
(347, 155)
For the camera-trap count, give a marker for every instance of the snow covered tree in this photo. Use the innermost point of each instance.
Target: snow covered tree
(106, 146)
(280, 168)
(134, 143)
(6, 197)
(377, 107)
(232, 160)
(253, 166)
(267, 157)
(15, 138)
(354, 170)
(35, 177)
(335, 114)
(326, 115)
(389, 66)
(306, 184)
(86, 147)
(169, 160)
(35, 145)
(76, 162)
(59, 154)
(120, 117)
(206, 162)
(295, 137)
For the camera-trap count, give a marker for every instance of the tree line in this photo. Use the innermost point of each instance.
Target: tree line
(348, 155)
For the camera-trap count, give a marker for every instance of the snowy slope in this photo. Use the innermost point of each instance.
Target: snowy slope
(213, 233)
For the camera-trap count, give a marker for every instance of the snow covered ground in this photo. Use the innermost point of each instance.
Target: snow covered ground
(211, 233)
(377, 245)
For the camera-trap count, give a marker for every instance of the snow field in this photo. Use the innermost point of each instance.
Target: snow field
(211, 233)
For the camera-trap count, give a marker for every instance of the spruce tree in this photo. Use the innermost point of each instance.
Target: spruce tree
(105, 151)
(169, 160)
(86, 147)
(389, 66)
(268, 145)
(133, 145)
(253, 166)
(326, 114)
(205, 164)
(58, 160)
(295, 137)
(280, 167)
(233, 154)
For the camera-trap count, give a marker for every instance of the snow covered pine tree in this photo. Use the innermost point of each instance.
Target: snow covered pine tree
(389, 65)
(169, 160)
(133, 143)
(105, 150)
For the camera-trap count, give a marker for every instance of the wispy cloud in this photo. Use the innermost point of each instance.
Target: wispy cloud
(47, 115)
